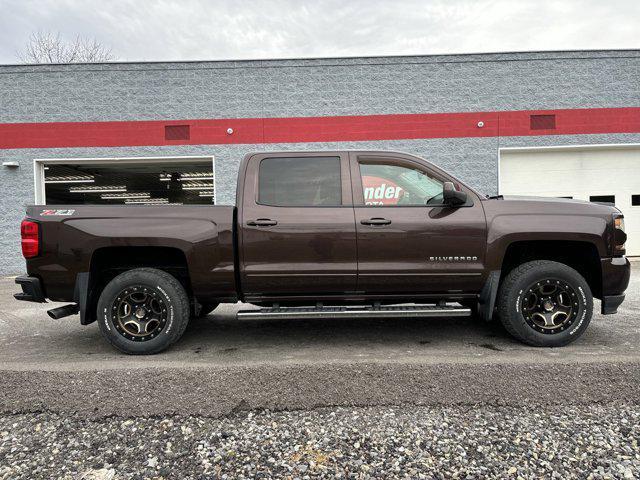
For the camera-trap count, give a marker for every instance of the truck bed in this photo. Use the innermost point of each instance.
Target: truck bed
(72, 237)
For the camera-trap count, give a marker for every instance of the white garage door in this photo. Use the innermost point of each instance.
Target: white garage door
(609, 174)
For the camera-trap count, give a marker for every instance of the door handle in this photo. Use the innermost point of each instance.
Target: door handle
(376, 221)
(262, 222)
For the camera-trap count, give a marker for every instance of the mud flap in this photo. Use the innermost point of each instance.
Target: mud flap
(487, 298)
(82, 298)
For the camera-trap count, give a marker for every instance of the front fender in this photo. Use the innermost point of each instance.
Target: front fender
(504, 230)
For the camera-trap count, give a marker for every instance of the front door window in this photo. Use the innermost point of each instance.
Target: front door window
(391, 185)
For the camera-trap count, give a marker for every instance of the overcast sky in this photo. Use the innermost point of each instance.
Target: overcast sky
(236, 29)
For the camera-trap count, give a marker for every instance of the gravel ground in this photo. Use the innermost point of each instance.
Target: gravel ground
(594, 441)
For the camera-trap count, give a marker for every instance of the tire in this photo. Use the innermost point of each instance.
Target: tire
(545, 304)
(149, 292)
(205, 309)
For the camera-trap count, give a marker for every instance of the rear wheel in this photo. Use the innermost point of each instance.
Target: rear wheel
(545, 304)
(143, 311)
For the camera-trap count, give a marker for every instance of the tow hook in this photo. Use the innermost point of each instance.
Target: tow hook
(64, 311)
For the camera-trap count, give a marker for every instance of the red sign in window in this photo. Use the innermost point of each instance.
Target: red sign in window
(380, 191)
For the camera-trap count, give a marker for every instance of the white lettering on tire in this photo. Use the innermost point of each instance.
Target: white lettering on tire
(170, 306)
(584, 312)
(106, 319)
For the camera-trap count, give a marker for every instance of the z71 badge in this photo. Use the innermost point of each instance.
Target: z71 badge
(59, 213)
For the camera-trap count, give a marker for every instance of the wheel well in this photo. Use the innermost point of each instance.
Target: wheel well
(108, 262)
(581, 256)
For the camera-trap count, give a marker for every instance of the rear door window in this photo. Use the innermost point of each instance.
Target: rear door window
(300, 182)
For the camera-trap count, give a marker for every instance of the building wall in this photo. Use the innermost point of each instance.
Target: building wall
(306, 88)
(302, 88)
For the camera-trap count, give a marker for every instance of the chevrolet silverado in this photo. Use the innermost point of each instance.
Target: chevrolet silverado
(338, 234)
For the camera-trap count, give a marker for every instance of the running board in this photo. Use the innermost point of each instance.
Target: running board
(302, 313)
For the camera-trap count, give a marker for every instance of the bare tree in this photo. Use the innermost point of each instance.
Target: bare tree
(47, 47)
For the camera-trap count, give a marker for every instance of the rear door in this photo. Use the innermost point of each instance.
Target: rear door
(298, 234)
(409, 242)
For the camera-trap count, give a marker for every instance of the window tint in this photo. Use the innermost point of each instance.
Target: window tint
(389, 185)
(300, 182)
(603, 198)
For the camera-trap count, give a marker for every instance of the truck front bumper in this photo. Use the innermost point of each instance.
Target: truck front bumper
(31, 290)
(616, 272)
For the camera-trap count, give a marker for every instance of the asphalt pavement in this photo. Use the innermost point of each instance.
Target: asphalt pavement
(224, 365)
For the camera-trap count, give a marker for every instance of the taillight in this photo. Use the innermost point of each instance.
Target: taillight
(30, 232)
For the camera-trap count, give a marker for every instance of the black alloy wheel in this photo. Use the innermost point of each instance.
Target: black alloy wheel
(143, 311)
(140, 313)
(544, 303)
(550, 306)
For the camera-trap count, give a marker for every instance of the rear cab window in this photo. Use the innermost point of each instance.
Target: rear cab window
(300, 182)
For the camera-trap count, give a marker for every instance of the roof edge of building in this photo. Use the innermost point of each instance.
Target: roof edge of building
(335, 60)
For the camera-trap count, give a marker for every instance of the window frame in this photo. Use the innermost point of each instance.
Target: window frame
(358, 187)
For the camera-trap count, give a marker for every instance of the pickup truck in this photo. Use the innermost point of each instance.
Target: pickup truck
(335, 233)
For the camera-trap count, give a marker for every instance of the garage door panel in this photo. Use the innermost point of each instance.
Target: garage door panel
(579, 174)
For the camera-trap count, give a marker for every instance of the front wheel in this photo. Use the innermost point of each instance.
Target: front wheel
(545, 304)
(143, 311)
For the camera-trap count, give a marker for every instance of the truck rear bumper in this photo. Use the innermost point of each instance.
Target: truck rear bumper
(31, 290)
(616, 272)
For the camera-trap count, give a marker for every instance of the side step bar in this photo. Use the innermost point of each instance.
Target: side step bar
(302, 313)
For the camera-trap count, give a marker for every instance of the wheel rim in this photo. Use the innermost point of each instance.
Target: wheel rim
(139, 313)
(549, 306)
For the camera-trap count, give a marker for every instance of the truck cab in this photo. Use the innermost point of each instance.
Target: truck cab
(356, 225)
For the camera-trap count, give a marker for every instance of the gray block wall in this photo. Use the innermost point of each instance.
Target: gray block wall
(293, 88)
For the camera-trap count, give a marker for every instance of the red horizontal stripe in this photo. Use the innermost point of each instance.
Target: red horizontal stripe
(318, 129)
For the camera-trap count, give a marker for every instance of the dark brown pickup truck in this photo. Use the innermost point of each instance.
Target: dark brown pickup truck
(337, 234)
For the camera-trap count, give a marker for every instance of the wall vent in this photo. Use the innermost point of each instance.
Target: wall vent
(177, 132)
(543, 122)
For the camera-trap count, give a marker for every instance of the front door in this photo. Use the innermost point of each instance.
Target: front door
(298, 233)
(408, 241)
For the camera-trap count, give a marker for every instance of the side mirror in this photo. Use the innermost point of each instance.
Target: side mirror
(452, 196)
